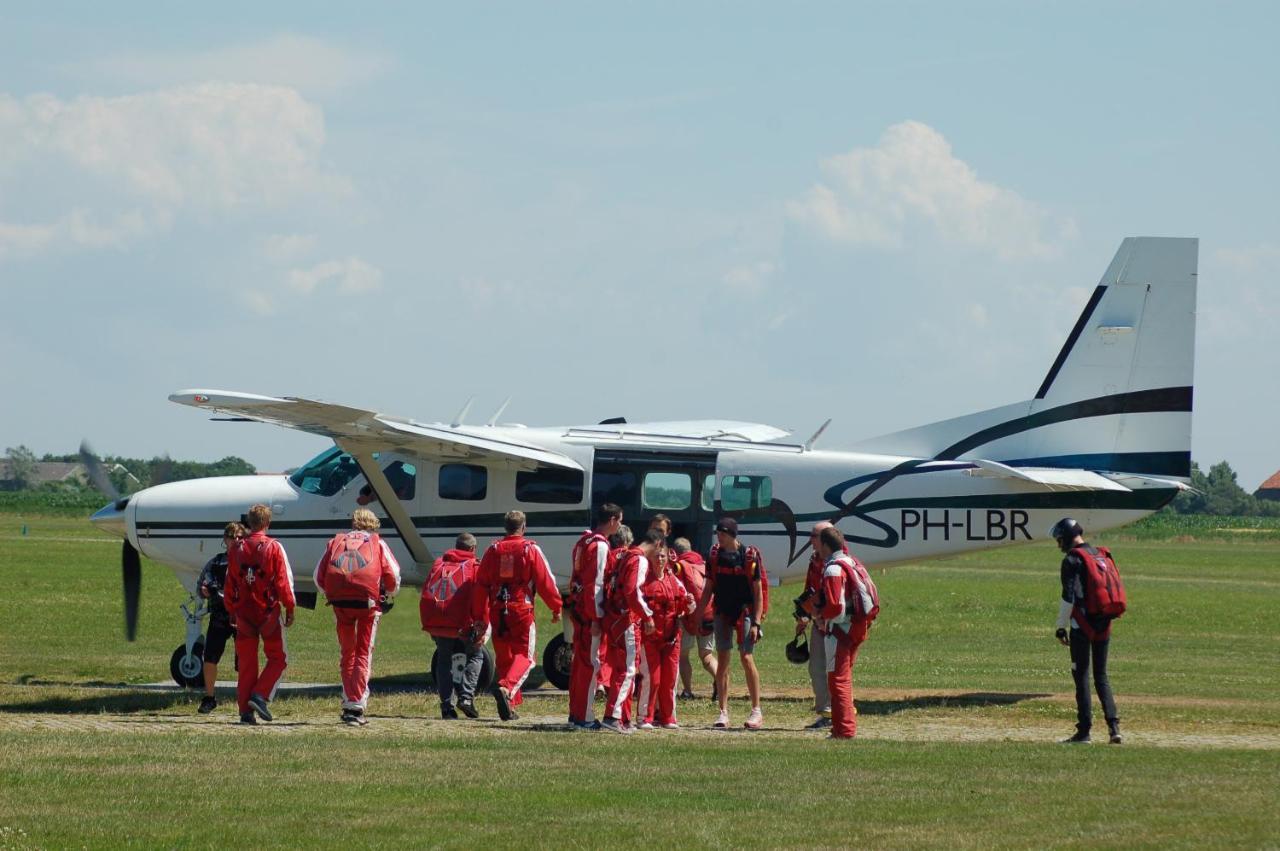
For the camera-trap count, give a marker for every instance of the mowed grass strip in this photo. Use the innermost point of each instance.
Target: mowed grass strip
(593, 790)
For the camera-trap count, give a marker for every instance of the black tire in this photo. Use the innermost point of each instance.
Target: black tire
(486, 670)
(187, 679)
(556, 660)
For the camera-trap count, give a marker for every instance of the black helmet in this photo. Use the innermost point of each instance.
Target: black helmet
(797, 652)
(1065, 529)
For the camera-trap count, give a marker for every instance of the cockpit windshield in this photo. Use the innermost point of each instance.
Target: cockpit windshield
(327, 473)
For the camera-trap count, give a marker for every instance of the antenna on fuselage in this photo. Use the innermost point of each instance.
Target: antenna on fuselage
(493, 420)
(462, 415)
(808, 444)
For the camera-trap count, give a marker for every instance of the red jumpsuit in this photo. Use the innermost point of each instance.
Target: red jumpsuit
(590, 557)
(660, 649)
(357, 568)
(509, 573)
(624, 607)
(843, 634)
(259, 584)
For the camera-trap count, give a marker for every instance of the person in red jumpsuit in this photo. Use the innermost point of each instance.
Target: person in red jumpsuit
(590, 558)
(625, 608)
(357, 573)
(842, 627)
(510, 572)
(259, 596)
(669, 600)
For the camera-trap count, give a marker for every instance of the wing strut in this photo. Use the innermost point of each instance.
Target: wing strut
(390, 502)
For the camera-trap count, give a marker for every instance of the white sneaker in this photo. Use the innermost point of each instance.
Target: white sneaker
(755, 720)
(645, 725)
(723, 720)
(671, 725)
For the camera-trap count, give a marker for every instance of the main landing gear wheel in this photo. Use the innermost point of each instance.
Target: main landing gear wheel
(486, 669)
(188, 671)
(556, 660)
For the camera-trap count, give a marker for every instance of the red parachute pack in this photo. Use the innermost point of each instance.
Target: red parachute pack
(862, 598)
(353, 566)
(1104, 594)
(444, 608)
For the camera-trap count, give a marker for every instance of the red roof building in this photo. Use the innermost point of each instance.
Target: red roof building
(1270, 489)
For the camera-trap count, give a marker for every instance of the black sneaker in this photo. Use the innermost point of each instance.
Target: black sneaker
(448, 713)
(1115, 737)
(248, 718)
(350, 718)
(467, 707)
(822, 723)
(503, 700)
(207, 704)
(1080, 738)
(259, 704)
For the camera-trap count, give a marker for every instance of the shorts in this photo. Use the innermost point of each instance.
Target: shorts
(216, 640)
(688, 640)
(724, 629)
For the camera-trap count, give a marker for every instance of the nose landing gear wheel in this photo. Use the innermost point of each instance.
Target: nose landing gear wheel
(556, 660)
(188, 671)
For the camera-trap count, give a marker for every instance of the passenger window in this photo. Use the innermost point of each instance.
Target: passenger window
(668, 491)
(616, 486)
(709, 492)
(549, 484)
(463, 481)
(740, 493)
(403, 478)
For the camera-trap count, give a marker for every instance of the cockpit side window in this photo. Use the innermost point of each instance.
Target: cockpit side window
(327, 473)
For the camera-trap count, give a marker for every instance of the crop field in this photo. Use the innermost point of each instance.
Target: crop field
(962, 695)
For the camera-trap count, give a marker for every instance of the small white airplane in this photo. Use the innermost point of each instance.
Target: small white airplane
(1106, 439)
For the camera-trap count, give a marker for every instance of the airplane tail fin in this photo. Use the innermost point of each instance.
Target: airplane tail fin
(1118, 396)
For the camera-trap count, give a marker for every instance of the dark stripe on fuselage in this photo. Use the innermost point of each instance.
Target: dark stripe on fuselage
(1141, 463)
(1071, 341)
(1139, 402)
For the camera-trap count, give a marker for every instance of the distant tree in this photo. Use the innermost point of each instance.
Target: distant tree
(22, 465)
(1218, 492)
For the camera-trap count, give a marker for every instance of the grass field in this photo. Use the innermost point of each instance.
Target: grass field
(962, 694)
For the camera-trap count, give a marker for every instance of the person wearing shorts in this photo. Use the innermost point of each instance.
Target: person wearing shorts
(735, 589)
(210, 584)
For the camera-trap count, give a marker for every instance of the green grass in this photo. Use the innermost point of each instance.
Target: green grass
(962, 691)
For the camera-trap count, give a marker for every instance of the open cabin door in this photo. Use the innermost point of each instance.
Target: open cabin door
(680, 485)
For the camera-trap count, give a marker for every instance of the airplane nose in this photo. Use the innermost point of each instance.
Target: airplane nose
(111, 518)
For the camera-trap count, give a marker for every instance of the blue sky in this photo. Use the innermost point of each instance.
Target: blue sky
(886, 214)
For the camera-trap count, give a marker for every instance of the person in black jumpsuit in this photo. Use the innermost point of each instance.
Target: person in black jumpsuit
(1084, 650)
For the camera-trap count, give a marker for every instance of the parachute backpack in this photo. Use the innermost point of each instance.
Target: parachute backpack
(355, 566)
(750, 555)
(1104, 594)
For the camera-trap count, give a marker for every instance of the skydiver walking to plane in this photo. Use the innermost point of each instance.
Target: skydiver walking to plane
(211, 585)
(625, 607)
(357, 574)
(259, 595)
(591, 557)
(817, 646)
(510, 572)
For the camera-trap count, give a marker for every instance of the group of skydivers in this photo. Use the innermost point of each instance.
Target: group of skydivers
(636, 609)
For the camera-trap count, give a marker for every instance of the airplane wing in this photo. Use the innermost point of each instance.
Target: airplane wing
(342, 423)
(1051, 478)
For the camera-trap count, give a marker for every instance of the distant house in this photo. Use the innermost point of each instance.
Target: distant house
(45, 471)
(1270, 489)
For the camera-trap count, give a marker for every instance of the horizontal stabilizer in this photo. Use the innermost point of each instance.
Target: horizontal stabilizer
(1053, 479)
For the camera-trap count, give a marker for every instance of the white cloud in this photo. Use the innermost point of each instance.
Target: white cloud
(351, 276)
(912, 182)
(258, 302)
(300, 62)
(126, 165)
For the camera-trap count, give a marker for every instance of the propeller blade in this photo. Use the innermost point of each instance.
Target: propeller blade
(131, 572)
(97, 473)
